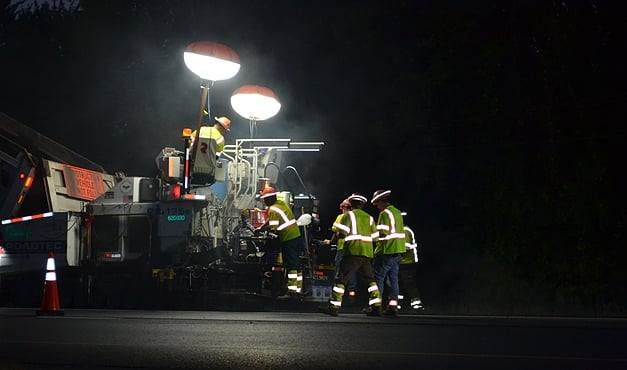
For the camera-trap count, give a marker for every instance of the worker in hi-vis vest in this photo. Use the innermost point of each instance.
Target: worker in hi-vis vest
(389, 247)
(359, 231)
(282, 225)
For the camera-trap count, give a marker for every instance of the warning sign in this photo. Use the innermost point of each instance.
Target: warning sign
(83, 184)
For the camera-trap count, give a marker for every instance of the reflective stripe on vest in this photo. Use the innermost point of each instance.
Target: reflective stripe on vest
(354, 234)
(286, 221)
(393, 233)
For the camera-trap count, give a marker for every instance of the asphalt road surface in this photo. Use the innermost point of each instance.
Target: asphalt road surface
(110, 339)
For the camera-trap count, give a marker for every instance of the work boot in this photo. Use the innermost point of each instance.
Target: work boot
(328, 310)
(390, 312)
(296, 297)
(373, 311)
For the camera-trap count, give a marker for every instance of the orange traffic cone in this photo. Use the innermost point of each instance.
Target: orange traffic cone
(50, 304)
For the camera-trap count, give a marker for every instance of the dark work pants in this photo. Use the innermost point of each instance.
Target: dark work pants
(290, 250)
(407, 282)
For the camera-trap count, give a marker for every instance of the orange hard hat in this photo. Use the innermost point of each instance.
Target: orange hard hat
(267, 192)
(224, 122)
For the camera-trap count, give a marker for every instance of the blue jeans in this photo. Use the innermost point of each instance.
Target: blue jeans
(352, 283)
(387, 266)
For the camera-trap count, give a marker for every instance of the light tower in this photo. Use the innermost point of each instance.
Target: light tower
(211, 61)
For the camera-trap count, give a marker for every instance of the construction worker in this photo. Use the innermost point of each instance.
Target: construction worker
(389, 247)
(338, 239)
(407, 273)
(211, 146)
(282, 225)
(359, 231)
(216, 132)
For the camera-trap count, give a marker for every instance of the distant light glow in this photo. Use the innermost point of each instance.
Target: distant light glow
(255, 102)
(211, 60)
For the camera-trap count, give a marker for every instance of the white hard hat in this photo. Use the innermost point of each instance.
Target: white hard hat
(380, 194)
(358, 197)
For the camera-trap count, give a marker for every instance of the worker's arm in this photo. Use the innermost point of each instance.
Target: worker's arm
(331, 241)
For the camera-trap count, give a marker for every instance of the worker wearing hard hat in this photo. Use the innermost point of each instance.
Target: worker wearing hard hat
(338, 239)
(389, 247)
(211, 145)
(407, 272)
(359, 231)
(282, 225)
(216, 133)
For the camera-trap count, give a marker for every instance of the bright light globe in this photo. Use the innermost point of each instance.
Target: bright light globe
(254, 102)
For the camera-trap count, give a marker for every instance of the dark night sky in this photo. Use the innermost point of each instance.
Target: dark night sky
(117, 79)
(370, 81)
(498, 125)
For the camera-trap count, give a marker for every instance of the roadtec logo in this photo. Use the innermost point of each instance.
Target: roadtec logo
(43, 246)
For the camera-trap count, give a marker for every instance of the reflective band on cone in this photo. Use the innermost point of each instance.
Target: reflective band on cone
(50, 303)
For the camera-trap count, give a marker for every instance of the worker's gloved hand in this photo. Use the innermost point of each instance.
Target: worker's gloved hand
(326, 241)
(304, 219)
(261, 229)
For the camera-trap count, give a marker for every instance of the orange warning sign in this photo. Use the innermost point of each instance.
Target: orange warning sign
(83, 184)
